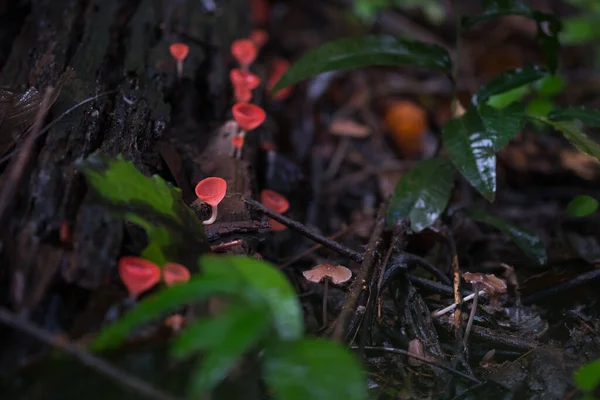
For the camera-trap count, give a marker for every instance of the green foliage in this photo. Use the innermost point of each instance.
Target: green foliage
(313, 369)
(173, 230)
(262, 312)
(473, 140)
(507, 81)
(366, 9)
(575, 135)
(527, 241)
(356, 52)
(585, 115)
(587, 377)
(422, 193)
(581, 206)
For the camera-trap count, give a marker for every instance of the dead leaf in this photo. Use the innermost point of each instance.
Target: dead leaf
(349, 128)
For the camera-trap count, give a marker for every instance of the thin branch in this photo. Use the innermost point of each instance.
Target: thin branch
(433, 363)
(290, 223)
(119, 376)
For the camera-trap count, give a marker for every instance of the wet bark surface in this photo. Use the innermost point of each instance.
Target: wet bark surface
(117, 50)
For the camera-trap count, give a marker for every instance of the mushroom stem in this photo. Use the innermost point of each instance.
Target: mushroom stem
(213, 216)
(473, 312)
(238, 152)
(325, 302)
(179, 68)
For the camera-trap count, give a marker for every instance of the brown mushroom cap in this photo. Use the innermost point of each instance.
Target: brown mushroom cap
(492, 285)
(337, 273)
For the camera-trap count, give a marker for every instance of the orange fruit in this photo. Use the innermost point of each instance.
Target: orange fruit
(407, 124)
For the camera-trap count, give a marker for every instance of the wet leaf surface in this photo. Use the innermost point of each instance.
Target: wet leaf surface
(527, 241)
(508, 81)
(587, 116)
(422, 194)
(502, 124)
(357, 52)
(472, 151)
(301, 370)
(576, 136)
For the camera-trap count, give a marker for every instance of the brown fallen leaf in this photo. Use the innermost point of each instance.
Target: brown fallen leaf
(349, 128)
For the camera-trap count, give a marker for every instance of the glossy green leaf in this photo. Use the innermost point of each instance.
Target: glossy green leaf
(527, 241)
(313, 369)
(550, 85)
(504, 99)
(364, 51)
(226, 339)
(581, 206)
(422, 194)
(539, 107)
(571, 131)
(587, 377)
(495, 9)
(265, 282)
(508, 81)
(472, 151)
(589, 117)
(503, 124)
(168, 299)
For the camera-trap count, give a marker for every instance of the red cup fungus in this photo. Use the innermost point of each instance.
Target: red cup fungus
(275, 202)
(138, 274)
(244, 51)
(179, 51)
(259, 37)
(243, 78)
(174, 273)
(278, 69)
(248, 116)
(212, 191)
(237, 141)
(242, 94)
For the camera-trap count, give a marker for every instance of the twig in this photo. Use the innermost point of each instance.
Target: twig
(123, 378)
(563, 287)
(290, 223)
(312, 249)
(472, 314)
(51, 124)
(452, 306)
(361, 277)
(17, 168)
(433, 363)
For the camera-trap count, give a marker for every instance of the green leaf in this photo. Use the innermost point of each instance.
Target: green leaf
(472, 151)
(548, 38)
(225, 340)
(357, 52)
(580, 30)
(508, 81)
(590, 117)
(198, 288)
(581, 206)
(571, 131)
(265, 282)
(588, 376)
(527, 241)
(503, 124)
(539, 107)
(313, 369)
(422, 194)
(174, 232)
(550, 85)
(504, 99)
(495, 9)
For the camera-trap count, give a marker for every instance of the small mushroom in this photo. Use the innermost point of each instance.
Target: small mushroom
(338, 274)
(244, 51)
(275, 202)
(179, 51)
(211, 191)
(248, 116)
(138, 274)
(174, 273)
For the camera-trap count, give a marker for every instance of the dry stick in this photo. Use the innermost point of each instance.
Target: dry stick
(433, 363)
(473, 312)
(361, 278)
(290, 223)
(51, 124)
(123, 378)
(312, 249)
(452, 306)
(17, 169)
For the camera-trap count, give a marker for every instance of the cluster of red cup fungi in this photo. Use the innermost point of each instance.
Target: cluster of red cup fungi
(140, 275)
